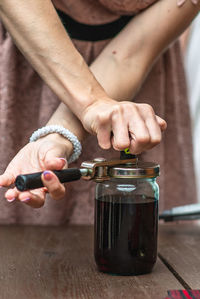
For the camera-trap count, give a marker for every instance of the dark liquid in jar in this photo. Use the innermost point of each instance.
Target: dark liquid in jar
(126, 234)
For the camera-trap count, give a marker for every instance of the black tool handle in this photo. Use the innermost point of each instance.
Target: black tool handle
(30, 181)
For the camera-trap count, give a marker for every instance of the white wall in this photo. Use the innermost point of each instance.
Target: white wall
(192, 66)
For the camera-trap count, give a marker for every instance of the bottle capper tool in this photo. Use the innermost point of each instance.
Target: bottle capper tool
(97, 170)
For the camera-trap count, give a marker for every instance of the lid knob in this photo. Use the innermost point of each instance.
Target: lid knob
(126, 155)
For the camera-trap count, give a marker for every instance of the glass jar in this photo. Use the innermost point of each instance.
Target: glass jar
(126, 220)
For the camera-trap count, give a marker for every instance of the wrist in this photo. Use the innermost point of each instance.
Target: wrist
(86, 97)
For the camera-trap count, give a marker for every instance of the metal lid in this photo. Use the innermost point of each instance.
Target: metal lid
(139, 170)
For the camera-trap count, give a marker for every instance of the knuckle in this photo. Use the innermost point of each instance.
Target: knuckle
(121, 145)
(148, 108)
(58, 194)
(123, 110)
(129, 107)
(155, 140)
(102, 118)
(117, 109)
(143, 139)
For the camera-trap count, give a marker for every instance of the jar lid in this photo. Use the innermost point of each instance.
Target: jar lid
(138, 170)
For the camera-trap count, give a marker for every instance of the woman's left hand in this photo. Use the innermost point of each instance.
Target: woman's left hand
(47, 153)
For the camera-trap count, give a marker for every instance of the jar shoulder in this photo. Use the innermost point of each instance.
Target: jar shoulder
(138, 187)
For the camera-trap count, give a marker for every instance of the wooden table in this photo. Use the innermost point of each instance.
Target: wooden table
(57, 262)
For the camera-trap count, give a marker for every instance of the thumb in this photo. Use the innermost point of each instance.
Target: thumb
(54, 159)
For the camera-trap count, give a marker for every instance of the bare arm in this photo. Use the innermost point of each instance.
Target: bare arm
(43, 40)
(129, 57)
(146, 52)
(41, 37)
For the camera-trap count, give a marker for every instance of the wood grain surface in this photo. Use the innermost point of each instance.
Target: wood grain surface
(179, 245)
(57, 262)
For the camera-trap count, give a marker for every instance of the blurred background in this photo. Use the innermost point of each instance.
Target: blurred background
(190, 42)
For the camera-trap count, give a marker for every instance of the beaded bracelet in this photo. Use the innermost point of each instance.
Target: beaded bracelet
(65, 133)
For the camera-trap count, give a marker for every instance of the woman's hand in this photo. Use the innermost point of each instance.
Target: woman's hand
(124, 125)
(50, 153)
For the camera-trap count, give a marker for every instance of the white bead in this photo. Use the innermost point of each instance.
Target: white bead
(65, 133)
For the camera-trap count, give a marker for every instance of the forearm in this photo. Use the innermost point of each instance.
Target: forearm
(41, 37)
(129, 57)
(64, 117)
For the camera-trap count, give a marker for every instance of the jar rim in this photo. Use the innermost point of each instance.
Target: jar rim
(139, 170)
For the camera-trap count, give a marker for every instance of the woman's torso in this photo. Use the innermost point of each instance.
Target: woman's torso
(101, 11)
(164, 89)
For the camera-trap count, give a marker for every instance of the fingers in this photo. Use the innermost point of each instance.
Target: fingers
(140, 135)
(121, 139)
(129, 129)
(162, 123)
(33, 199)
(52, 183)
(36, 198)
(152, 124)
(103, 136)
(134, 126)
(7, 179)
(137, 127)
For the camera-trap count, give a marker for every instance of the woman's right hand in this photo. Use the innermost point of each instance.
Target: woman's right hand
(123, 125)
